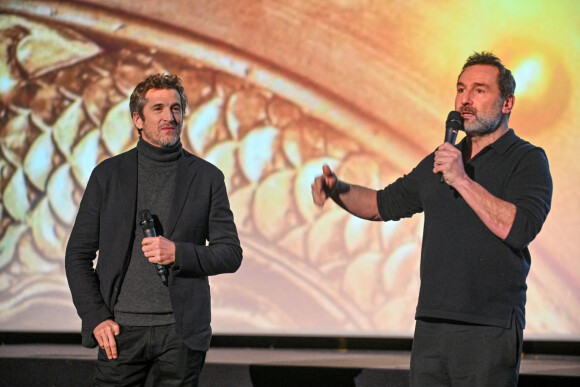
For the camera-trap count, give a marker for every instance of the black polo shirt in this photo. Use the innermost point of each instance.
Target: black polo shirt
(467, 273)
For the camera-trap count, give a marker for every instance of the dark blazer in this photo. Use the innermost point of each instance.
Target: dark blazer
(106, 222)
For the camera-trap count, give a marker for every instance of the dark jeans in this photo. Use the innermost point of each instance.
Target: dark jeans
(149, 356)
(454, 354)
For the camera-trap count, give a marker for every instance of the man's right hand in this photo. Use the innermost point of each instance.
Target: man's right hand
(357, 200)
(105, 334)
(323, 186)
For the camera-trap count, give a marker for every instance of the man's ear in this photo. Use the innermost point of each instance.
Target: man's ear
(508, 104)
(137, 120)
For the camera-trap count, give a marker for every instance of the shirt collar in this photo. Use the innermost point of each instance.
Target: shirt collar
(501, 145)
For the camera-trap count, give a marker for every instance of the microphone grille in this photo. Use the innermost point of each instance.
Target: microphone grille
(455, 120)
(144, 216)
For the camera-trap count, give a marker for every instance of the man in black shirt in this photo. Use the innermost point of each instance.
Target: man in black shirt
(475, 259)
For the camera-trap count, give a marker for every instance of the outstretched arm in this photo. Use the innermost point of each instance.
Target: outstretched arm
(357, 200)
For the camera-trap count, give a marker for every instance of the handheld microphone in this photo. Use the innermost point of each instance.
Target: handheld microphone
(453, 124)
(148, 226)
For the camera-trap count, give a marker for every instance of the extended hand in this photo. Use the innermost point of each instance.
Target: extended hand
(323, 186)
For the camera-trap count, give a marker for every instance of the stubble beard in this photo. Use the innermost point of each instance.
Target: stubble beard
(484, 124)
(163, 141)
(167, 143)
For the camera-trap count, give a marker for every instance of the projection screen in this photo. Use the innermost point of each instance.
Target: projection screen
(277, 89)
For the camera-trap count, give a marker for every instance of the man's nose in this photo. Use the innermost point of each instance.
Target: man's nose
(466, 98)
(169, 115)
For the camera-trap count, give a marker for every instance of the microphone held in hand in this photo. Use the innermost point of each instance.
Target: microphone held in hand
(453, 124)
(148, 226)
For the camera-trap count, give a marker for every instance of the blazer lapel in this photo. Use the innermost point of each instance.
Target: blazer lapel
(183, 181)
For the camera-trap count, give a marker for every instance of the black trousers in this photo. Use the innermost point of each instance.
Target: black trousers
(149, 356)
(448, 353)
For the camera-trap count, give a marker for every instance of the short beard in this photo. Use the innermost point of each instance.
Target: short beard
(170, 143)
(160, 142)
(485, 125)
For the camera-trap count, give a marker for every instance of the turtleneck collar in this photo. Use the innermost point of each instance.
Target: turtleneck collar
(160, 154)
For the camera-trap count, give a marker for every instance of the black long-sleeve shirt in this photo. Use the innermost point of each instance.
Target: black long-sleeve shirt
(467, 273)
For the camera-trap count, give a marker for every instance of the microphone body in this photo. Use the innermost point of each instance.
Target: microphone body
(453, 125)
(148, 226)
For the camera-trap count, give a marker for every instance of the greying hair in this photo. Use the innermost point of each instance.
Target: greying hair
(506, 81)
(156, 81)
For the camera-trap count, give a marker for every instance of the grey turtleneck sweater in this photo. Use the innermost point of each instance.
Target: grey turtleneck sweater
(143, 299)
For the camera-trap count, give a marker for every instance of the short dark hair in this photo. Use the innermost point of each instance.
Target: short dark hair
(156, 81)
(506, 81)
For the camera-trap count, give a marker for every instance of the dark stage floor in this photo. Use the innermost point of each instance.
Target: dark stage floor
(71, 365)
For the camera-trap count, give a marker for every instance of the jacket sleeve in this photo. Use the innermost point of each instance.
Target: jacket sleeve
(223, 253)
(530, 189)
(81, 251)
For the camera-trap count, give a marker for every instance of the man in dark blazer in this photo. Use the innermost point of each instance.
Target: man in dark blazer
(147, 301)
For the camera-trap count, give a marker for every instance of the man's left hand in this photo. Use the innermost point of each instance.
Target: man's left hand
(159, 250)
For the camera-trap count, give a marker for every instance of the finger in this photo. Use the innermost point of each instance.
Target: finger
(100, 341)
(317, 195)
(152, 249)
(106, 346)
(101, 337)
(147, 241)
(113, 348)
(111, 343)
(316, 186)
(443, 146)
(150, 240)
(326, 170)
